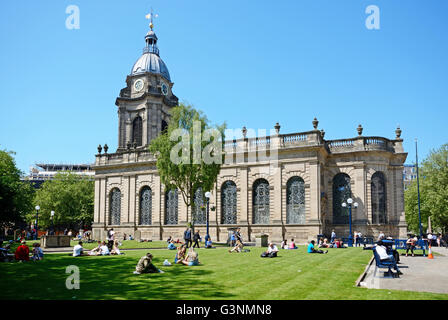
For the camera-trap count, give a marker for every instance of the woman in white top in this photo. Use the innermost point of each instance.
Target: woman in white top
(104, 249)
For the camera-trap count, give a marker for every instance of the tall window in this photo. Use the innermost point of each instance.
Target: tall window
(378, 191)
(115, 206)
(145, 206)
(341, 192)
(228, 202)
(164, 125)
(137, 131)
(199, 213)
(171, 207)
(260, 202)
(295, 201)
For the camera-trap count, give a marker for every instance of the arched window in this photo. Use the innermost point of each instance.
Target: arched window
(341, 192)
(137, 131)
(171, 207)
(145, 206)
(260, 202)
(199, 216)
(228, 202)
(164, 125)
(115, 206)
(378, 192)
(295, 201)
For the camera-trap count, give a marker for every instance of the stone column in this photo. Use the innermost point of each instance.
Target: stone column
(243, 215)
(359, 215)
(276, 213)
(133, 200)
(157, 206)
(314, 222)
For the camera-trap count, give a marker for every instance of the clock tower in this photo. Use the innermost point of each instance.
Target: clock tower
(144, 104)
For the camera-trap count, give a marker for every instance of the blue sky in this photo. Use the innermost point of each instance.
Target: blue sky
(249, 62)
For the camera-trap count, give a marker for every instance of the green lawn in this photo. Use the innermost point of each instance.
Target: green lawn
(221, 275)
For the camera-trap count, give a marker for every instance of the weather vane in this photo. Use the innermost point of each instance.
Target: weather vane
(150, 16)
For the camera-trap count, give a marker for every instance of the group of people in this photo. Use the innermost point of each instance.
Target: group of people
(102, 249)
(22, 253)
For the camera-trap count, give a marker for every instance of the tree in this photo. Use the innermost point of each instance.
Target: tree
(433, 193)
(189, 153)
(70, 196)
(16, 197)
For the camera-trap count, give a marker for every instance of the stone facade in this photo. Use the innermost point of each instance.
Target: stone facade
(305, 157)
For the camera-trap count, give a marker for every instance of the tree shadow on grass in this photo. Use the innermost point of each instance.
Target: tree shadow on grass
(106, 278)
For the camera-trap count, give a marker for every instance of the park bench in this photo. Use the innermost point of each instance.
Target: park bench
(420, 245)
(383, 264)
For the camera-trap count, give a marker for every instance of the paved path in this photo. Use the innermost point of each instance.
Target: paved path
(419, 274)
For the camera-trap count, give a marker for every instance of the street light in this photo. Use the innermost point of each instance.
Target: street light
(207, 195)
(350, 204)
(52, 224)
(37, 221)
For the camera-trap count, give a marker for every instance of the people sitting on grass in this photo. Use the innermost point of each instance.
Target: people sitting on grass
(381, 250)
(192, 258)
(180, 255)
(323, 243)
(96, 251)
(271, 252)
(410, 244)
(284, 244)
(169, 240)
(22, 252)
(38, 253)
(338, 243)
(208, 243)
(292, 245)
(312, 250)
(78, 250)
(145, 265)
(115, 249)
(238, 247)
(105, 249)
(171, 245)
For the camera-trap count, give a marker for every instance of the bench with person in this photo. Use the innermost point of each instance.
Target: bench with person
(383, 259)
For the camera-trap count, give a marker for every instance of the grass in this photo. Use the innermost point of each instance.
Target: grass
(293, 275)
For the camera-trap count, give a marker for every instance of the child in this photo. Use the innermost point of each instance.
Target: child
(38, 253)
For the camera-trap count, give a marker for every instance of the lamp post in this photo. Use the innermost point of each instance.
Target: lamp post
(207, 195)
(37, 221)
(52, 223)
(350, 204)
(418, 192)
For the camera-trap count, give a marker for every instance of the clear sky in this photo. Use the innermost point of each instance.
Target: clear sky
(247, 62)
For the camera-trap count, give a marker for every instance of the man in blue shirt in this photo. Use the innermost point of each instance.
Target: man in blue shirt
(187, 237)
(312, 250)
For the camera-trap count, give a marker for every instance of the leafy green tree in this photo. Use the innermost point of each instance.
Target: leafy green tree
(189, 153)
(70, 196)
(16, 197)
(433, 193)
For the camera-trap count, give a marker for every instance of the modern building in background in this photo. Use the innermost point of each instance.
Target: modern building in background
(42, 172)
(298, 193)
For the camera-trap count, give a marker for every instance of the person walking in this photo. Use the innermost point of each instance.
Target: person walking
(187, 237)
(333, 236)
(196, 238)
(110, 238)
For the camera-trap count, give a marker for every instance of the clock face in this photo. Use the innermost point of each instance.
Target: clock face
(164, 88)
(138, 85)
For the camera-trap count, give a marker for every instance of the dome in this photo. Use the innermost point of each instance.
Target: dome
(152, 63)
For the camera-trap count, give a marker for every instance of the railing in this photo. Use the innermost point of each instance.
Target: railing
(293, 138)
(151, 49)
(344, 143)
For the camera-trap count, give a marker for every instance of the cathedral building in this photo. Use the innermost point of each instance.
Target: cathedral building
(298, 195)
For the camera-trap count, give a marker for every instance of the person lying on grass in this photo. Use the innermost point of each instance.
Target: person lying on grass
(180, 255)
(238, 247)
(145, 265)
(312, 250)
(271, 252)
(192, 258)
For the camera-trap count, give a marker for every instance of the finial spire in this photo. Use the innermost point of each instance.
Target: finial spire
(150, 16)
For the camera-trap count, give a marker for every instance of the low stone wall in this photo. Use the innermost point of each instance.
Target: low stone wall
(47, 241)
